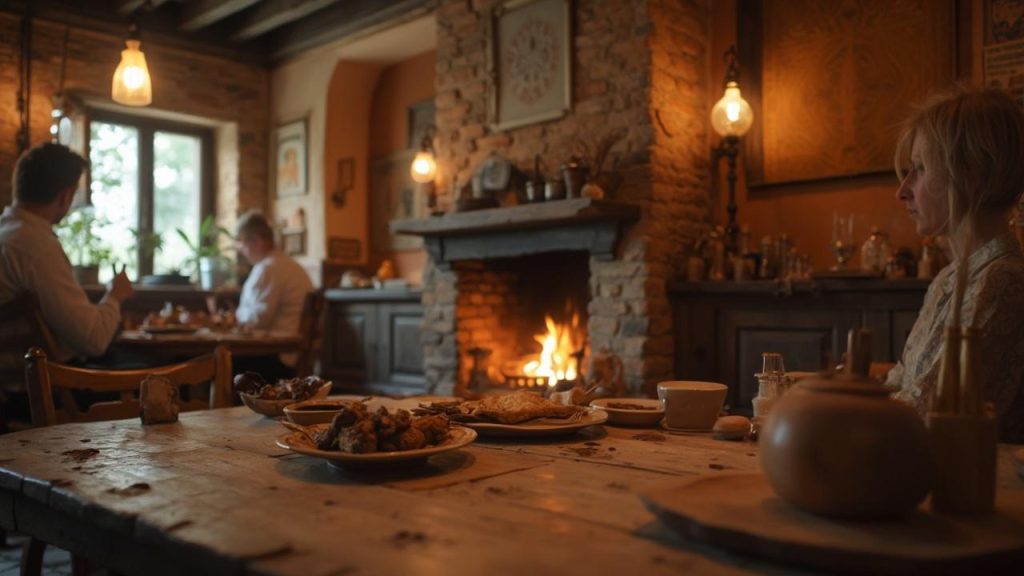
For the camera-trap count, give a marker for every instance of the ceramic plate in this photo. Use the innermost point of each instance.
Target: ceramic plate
(296, 442)
(273, 408)
(540, 427)
(631, 411)
(172, 329)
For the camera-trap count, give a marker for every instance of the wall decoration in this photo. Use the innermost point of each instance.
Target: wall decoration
(344, 249)
(529, 63)
(1004, 46)
(291, 159)
(346, 179)
(829, 90)
(394, 196)
(420, 122)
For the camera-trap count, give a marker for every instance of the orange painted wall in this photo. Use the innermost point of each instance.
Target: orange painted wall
(399, 87)
(804, 212)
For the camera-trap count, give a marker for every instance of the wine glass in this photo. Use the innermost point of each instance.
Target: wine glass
(843, 243)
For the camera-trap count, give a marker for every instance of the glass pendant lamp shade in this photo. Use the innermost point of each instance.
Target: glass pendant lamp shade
(131, 85)
(424, 167)
(732, 116)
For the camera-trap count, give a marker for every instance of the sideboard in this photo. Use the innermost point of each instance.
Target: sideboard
(721, 328)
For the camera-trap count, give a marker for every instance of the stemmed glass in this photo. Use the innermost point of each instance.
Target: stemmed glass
(843, 243)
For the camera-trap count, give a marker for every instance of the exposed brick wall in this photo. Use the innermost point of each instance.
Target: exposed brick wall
(183, 82)
(639, 69)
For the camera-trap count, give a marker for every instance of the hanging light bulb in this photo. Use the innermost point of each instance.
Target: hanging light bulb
(131, 85)
(731, 116)
(424, 165)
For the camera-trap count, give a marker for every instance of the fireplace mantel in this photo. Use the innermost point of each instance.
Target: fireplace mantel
(577, 224)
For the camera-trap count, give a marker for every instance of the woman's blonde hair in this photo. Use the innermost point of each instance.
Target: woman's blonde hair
(975, 142)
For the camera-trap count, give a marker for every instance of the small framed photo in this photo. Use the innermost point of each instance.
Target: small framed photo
(530, 59)
(291, 164)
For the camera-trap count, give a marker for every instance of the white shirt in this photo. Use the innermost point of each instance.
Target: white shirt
(33, 261)
(273, 295)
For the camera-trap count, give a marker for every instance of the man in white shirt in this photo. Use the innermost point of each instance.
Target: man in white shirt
(273, 295)
(32, 260)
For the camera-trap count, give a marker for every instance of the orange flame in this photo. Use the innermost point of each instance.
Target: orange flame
(557, 346)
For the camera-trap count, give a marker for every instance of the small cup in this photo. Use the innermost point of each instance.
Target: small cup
(691, 405)
(534, 191)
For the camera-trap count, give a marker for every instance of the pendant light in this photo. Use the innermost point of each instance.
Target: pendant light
(131, 85)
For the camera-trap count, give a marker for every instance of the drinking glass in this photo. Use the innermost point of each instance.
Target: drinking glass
(843, 243)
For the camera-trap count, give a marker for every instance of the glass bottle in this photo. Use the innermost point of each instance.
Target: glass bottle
(972, 397)
(872, 258)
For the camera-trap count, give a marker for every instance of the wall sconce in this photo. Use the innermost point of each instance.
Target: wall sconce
(731, 117)
(424, 168)
(131, 85)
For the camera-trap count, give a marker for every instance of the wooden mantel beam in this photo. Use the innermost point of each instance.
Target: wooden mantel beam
(275, 13)
(201, 13)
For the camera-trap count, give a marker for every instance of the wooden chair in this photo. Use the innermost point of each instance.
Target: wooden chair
(47, 380)
(310, 328)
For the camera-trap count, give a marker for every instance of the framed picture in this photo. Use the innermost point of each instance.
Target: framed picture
(829, 92)
(529, 62)
(291, 159)
(1003, 55)
(421, 121)
(394, 196)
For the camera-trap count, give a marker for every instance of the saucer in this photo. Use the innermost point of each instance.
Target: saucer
(668, 428)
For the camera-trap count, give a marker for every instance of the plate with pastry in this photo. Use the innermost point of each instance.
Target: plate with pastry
(519, 414)
(360, 436)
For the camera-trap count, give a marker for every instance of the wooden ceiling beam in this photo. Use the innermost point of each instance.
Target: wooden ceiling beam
(272, 14)
(201, 13)
(130, 6)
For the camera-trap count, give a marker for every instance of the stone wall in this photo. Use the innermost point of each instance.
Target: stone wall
(232, 96)
(639, 70)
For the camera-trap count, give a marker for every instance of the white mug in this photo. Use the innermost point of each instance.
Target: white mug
(691, 405)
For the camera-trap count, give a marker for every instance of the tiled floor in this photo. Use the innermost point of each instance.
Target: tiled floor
(55, 562)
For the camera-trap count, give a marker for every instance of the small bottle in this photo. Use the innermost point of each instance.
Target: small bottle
(872, 258)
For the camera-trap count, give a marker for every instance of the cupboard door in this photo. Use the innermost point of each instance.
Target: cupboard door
(350, 337)
(400, 357)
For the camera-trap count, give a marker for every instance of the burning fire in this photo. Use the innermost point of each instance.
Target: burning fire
(556, 360)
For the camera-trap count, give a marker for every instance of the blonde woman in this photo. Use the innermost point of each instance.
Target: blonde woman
(961, 164)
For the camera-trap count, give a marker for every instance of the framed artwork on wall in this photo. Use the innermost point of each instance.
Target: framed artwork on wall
(291, 163)
(829, 91)
(394, 196)
(420, 122)
(1003, 55)
(529, 62)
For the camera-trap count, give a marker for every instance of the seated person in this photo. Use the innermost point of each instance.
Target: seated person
(273, 295)
(33, 261)
(964, 159)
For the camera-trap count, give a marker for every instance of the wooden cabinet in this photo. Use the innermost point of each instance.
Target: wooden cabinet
(721, 329)
(372, 341)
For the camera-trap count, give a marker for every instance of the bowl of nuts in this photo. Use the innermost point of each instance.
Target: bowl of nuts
(269, 399)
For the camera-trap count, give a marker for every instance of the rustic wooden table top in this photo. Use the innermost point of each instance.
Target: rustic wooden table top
(204, 341)
(214, 494)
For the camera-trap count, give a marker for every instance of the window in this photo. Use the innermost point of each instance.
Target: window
(148, 179)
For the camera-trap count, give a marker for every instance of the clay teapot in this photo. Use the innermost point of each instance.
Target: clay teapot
(838, 445)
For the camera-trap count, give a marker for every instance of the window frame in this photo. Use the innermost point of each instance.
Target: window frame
(147, 128)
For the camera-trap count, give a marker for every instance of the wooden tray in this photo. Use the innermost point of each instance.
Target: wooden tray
(742, 513)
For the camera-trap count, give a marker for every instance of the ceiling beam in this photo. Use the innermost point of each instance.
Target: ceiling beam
(131, 6)
(275, 13)
(201, 13)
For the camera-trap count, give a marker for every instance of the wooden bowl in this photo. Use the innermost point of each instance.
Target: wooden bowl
(273, 408)
(310, 412)
(631, 411)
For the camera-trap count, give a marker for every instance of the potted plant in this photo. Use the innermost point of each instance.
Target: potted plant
(211, 266)
(147, 245)
(78, 235)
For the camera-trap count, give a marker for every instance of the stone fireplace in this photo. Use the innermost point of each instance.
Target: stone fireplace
(640, 70)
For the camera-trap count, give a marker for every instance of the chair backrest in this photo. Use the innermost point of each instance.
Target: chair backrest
(47, 379)
(310, 328)
(21, 327)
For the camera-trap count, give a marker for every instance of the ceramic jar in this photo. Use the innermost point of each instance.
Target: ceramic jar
(839, 446)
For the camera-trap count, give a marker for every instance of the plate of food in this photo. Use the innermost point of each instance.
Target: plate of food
(270, 400)
(518, 414)
(358, 436)
(631, 411)
(170, 329)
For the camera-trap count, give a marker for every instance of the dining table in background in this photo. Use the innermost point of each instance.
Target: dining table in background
(213, 494)
(204, 341)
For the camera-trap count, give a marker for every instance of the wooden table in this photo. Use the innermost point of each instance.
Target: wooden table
(212, 494)
(204, 341)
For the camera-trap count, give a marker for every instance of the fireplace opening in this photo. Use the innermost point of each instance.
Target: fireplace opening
(522, 322)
